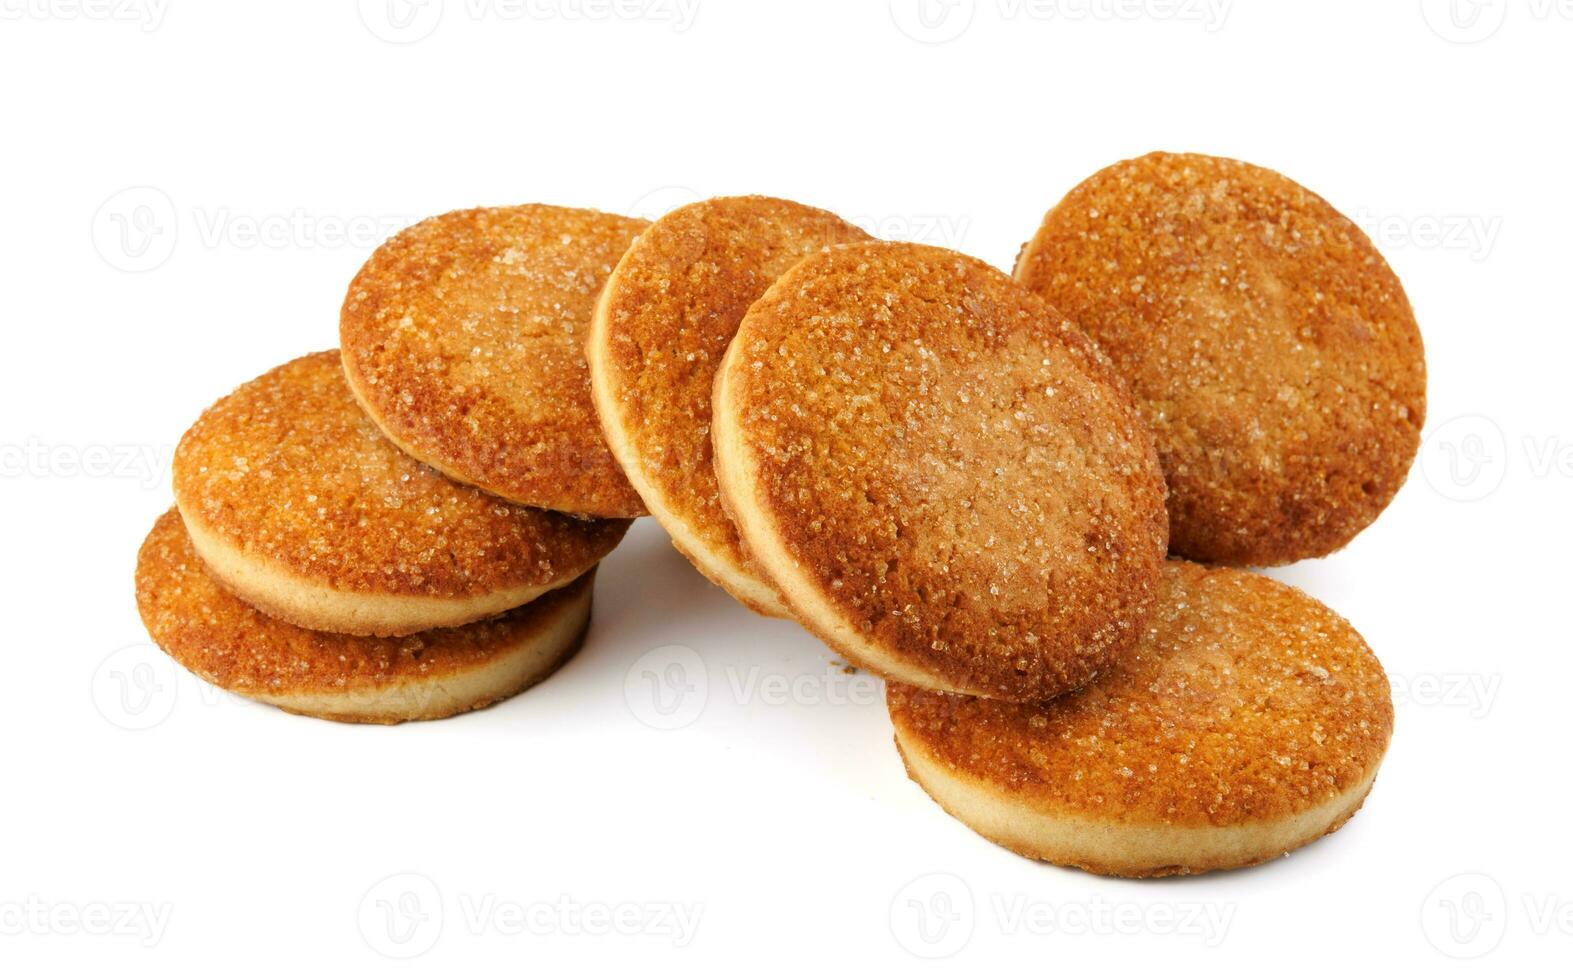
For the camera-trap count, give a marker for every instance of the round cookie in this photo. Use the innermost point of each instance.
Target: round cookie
(1248, 722)
(299, 506)
(348, 678)
(1267, 343)
(660, 330)
(940, 473)
(463, 338)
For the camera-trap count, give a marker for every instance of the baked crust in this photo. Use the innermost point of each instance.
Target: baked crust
(662, 326)
(1268, 344)
(347, 678)
(310, 512)
(463, 338)
(1249, 720)
(944, 478)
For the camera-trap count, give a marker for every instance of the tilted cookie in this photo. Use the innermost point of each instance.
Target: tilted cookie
(662, 326)
(298, 505)
(940, 473)
(1267, 343)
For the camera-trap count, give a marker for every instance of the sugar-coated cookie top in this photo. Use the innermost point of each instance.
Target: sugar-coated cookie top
(464, 337)
(288, 469)
(228, 643)
(1246, 700)
(950, 466)
(1268, 344)
(670, 311)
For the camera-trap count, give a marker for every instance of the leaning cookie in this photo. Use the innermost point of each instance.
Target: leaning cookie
(463, 338)
(299, 506)
(662, 326)
(939, 472)
(1268, 345)
(1250, 721)
(426, 676)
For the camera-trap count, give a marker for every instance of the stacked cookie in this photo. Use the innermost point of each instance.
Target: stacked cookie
(995, 492)
(991, 503)
(409, 528)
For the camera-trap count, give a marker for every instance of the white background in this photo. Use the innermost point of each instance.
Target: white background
(185, 195)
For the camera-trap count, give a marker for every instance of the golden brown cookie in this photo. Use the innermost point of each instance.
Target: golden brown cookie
(940, 473)
(348, 678)
(661, 328)
(1249, 721)
(1269, 346)
(463, 338)
(300, 507)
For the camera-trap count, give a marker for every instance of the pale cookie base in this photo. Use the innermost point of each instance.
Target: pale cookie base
(1113, 847)
(737, 474)
(755, 593)
(512, 671)
(285, 595)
